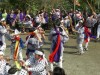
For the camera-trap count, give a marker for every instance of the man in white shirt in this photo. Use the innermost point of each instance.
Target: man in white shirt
(37, 64)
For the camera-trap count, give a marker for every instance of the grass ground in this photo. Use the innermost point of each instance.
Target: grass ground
(75, 64)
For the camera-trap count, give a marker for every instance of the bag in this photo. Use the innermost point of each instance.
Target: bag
(12, 70)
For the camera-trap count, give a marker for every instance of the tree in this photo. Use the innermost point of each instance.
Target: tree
(35, 5)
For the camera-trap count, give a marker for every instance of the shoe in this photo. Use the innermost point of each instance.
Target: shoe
(81, 53)
(97, 39)
(85, 49)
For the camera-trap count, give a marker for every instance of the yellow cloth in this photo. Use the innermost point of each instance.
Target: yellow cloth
(16, 55)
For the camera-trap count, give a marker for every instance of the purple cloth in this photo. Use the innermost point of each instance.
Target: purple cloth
(22, 15)
(57, 56)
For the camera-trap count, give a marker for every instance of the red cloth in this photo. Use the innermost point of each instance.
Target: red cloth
(87, 33)
(16, 52)
(51, 56)
(17, 38)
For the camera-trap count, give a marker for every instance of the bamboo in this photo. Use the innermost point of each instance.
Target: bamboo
(90, 7)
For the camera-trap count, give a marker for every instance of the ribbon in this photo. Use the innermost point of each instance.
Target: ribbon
(16, 54)
(16, 49)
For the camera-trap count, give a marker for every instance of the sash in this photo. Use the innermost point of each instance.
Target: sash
(1, 43)
(88, 34)
(55, 55)
(16, 53)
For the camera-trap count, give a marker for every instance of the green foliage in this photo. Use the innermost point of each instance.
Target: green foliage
(35, 5)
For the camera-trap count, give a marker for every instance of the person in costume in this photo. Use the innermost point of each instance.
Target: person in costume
(98, 28)
(79, 29)
(83, 35)
(14, 38)
(58, 38)
(40, 33)
(3, 31)
(37, 63)
(32, 44)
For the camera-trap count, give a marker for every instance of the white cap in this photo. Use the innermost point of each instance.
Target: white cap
(28, 16)
(81, 21)
(62, 21)
(39, 52)
(58, 9)
(1, 53)
(3, 19)
(66, 17)
(16, 32)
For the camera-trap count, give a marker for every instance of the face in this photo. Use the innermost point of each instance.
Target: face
(1, 57)
(80, 23)
(37, 57)
(4, 23)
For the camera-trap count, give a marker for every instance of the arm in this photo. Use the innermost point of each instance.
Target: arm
(38, 68)
(3, 47)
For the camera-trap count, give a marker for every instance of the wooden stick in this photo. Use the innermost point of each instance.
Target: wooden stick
(90, 7)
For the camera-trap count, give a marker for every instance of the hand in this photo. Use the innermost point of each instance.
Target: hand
(22, 63)
(15, 59)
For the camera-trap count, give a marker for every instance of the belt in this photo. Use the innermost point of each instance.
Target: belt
(1, 43)
(89, 27)
(56, 34)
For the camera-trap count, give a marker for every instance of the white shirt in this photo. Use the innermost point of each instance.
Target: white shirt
(80, 31)
(37, 67)
(2, 37)
(2, 67)
(28, 23)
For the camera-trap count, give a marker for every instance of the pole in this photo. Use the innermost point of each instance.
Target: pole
(98, 6)
(74, 10)
(74, 5)
(90, 6)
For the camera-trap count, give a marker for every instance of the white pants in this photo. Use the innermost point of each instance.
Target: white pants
(80, 44)
(98, 31)
(58, 64)
(86, 44)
